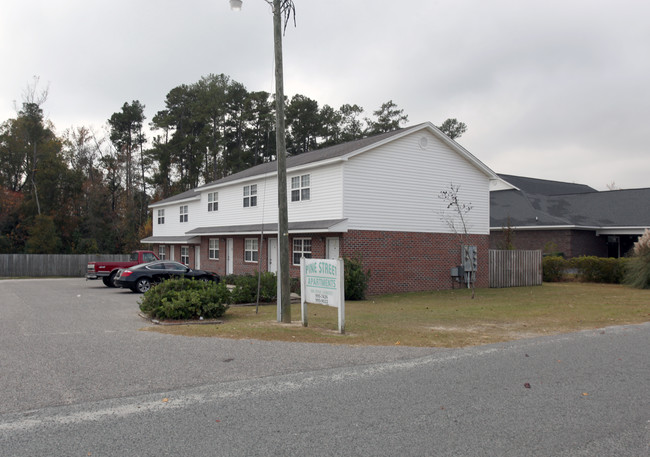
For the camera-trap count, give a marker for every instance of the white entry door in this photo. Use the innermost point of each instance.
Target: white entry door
(273, 255)
(332, 248)
(229, 256)
(197, 257)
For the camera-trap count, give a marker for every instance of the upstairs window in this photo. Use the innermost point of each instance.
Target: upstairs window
(213, 201)
(301, 248)
(250, 250)
(250, 195)
(300, 188)
(213, 249)
(161, 216)
(183, 212)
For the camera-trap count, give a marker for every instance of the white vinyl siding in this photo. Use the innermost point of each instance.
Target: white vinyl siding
(396, 187)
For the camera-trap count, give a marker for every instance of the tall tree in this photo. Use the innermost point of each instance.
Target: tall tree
(352, 127)
(388, 118)
(452, 128)
(304, 124)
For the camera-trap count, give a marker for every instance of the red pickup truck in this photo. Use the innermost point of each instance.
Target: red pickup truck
(108, 270)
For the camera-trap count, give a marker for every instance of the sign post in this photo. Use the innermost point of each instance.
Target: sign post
(322, 282)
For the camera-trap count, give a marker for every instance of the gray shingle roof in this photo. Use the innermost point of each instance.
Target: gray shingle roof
(544, 186)
(618, 208)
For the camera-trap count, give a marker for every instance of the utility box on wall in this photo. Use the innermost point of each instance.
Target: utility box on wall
(469, 258)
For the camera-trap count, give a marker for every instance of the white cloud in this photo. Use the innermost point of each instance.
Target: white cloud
(550, 89)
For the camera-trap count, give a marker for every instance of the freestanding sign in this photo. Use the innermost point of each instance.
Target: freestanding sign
(322, 282)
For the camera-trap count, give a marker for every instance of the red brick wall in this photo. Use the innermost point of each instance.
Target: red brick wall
(408, 262)
(572, 243)
(398, 261)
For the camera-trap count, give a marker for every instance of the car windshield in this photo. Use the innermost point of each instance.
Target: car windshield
(133, 257)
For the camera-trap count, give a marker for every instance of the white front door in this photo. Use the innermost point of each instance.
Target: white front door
(229, 256)
(332, 248)
(197, 257)
(273, 255)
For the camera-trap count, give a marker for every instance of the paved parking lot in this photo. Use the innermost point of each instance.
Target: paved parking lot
(66, 341)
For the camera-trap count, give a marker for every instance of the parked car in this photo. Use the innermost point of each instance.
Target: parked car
(140, 278)
(108, 270)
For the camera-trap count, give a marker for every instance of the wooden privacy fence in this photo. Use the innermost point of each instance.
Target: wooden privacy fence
(515, 268)
(39, 265)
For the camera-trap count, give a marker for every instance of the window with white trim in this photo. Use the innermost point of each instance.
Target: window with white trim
(185, 255)
(250, 195)
(183, 213)
(301, 248)
(161, 216)
(161, 252)
(251, 253)
(213, 201)
(213, 249)
(300, 188)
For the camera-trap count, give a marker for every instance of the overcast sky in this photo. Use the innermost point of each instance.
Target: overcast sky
(552, 89)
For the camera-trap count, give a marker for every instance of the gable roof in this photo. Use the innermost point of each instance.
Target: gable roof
(336, 152)
(546, 187)
(548, 207)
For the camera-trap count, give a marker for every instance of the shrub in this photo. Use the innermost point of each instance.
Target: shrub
(356, 280)
(599, 269)
(553, 268)
(637, 273)
(245, 290)
(186, 299)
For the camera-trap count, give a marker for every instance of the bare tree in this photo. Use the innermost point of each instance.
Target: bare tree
(455, 216)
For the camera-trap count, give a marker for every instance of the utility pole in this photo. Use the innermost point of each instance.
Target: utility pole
(281, 148)
(284, 282)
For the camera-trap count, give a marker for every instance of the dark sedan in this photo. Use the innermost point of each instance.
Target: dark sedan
(140, 278)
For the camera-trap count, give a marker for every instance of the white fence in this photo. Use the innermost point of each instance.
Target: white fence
(39, 265)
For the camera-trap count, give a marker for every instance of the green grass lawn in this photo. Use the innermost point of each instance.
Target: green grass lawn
(449, 318)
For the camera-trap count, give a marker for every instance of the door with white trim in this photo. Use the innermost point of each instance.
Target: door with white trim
(332, 248)
(229, 256)
(197, 257)
(273, 255)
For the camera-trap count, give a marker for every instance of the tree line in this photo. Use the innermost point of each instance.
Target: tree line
(86, 191)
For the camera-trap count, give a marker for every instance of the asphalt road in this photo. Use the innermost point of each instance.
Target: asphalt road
(80, 377)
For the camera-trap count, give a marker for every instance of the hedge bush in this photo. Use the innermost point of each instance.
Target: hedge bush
(356, 280)
(245, 290)
(599, 269)
(179, 299)
(587, 269)
(553, 268)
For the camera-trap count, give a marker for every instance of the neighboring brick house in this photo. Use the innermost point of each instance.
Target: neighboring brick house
(571, 219)
(377, 198)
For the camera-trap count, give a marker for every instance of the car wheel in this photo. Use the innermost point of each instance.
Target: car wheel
(204, 279)
(143, 285)
(110, 280)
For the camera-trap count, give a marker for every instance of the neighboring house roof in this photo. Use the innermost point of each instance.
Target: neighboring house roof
(545, 187)
(337, 152)
(537, 204)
